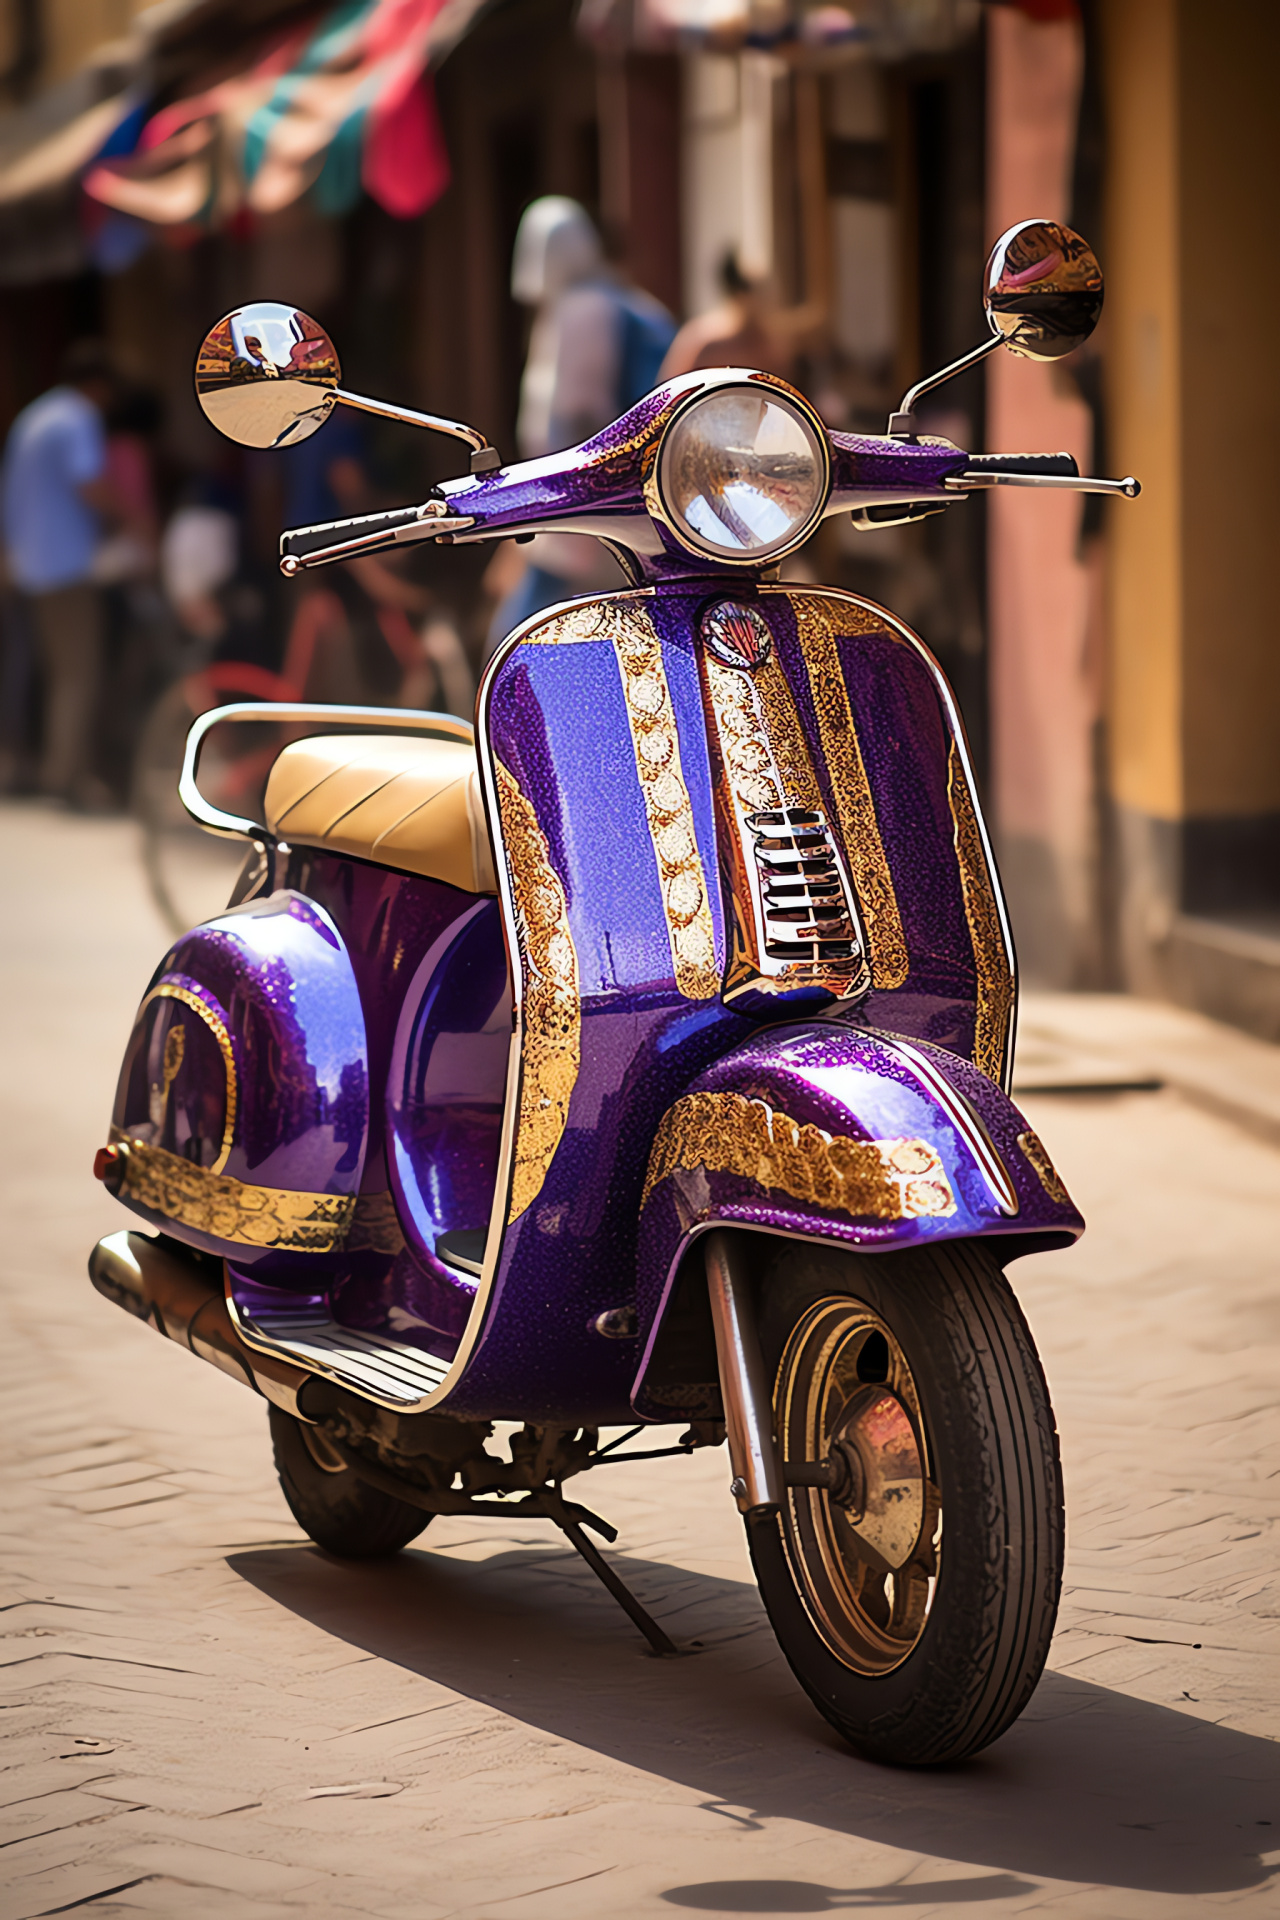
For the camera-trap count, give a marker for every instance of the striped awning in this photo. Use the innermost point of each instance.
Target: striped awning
(335, 106)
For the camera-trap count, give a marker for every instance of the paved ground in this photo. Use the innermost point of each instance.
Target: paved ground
(203, 1716)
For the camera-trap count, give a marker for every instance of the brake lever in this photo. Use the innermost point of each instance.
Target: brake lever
(433, 520)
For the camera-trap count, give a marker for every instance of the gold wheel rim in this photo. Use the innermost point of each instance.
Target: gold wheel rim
(864, 1553)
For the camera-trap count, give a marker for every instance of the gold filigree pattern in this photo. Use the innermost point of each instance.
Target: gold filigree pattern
(819, 623)
(667, 806)
(1041, 1165)
(228, 1209)
(992, 965)
(867, 1179)
(551, 1043)
(570, 628)
(167, 991)
(375, 1225)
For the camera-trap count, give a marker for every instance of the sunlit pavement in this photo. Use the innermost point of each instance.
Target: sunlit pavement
(204, 1716)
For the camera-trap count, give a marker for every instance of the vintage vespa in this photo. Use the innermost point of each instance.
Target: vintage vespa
(641, 1055)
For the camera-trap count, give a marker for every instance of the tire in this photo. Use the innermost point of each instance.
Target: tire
(331, 1503)
(917, 1372)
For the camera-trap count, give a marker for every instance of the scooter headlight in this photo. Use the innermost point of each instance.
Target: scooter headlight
(742, 473)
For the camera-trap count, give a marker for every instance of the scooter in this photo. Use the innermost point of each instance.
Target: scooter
(640, 1056)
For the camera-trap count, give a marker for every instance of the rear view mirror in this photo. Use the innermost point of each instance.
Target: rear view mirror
(1043, 290)
(267, 375)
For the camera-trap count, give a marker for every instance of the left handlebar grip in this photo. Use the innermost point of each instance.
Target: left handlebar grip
(297, 542)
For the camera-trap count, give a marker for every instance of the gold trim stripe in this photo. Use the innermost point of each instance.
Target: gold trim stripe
(188, 999)
(819, 625)
(228, 1209)
(1033, 1152)
(727, 1133)
(551, 1039)
(995, 982)
(668, 809)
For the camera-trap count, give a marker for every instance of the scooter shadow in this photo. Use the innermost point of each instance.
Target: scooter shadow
(1090, 1786)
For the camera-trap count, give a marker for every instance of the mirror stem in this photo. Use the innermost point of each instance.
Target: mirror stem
(480, 447)
(902, 424)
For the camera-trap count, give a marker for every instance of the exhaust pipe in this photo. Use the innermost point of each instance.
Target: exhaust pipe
(181, 1299)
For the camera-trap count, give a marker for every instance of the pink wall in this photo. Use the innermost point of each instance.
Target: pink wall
(1044, 600)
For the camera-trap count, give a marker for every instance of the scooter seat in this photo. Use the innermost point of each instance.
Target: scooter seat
(400, 800)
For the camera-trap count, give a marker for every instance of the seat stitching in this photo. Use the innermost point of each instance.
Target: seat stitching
(355, 806)
(418, 808)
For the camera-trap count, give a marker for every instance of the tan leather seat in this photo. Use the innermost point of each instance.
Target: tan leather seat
(398, 799)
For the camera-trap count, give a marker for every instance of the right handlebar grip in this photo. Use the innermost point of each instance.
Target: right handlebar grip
(1051, 463)
(297, 542)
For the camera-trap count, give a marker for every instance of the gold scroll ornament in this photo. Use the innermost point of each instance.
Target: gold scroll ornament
(551, 1045)
(228, 1209)
(173, 1055)
(820, 622)
(992, 967)
(866, 1179)
(668, 809)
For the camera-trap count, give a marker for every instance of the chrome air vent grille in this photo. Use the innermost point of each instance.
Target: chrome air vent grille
(807, 915)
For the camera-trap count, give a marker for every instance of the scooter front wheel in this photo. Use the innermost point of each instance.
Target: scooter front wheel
(332, 1504)
(913, 1585)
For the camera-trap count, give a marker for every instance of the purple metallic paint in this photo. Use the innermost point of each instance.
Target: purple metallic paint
(605, 476)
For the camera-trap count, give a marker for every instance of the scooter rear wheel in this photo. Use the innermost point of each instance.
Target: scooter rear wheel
(336, 1508)
(915, 1596)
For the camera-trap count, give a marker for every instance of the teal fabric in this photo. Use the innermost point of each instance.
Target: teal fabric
(330, 39)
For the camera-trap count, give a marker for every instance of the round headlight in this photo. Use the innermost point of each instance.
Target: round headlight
(742, 473)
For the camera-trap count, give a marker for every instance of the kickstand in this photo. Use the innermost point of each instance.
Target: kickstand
(605, 1574)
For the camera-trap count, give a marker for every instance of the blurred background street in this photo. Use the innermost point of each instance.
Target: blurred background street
(205, 1715)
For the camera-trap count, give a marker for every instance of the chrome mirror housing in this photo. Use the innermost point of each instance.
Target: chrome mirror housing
(267, 375)
(1043, 291)
(1043, 296)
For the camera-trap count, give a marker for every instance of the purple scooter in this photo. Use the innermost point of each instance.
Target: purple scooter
(640, 1055)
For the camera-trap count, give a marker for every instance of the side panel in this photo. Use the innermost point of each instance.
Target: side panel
(825, 1131)
(243, 1100)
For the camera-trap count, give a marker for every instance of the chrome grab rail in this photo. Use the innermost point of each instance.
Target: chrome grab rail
(232, 826)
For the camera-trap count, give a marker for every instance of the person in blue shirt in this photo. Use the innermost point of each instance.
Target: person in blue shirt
(54, 500)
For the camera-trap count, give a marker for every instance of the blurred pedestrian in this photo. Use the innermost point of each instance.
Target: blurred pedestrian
(55, 498)
(747, 329)
(595, 349)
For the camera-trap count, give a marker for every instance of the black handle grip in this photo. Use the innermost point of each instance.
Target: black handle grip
(300, 541)
(1059, 463)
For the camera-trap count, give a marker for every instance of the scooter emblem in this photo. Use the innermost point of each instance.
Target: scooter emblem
(736, 635)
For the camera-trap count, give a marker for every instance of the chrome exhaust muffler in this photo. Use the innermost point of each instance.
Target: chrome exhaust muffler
(186, 1303)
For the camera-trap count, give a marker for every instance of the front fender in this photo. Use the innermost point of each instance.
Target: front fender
(825, 1131)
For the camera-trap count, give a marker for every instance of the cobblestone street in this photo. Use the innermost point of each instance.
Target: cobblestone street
(205, 1716)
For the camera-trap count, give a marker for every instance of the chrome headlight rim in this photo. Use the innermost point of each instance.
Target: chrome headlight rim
(660, 510)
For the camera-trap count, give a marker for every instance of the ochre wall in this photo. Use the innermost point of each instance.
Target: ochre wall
(1193, 290)
(1229, 273)
(1142, 345)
